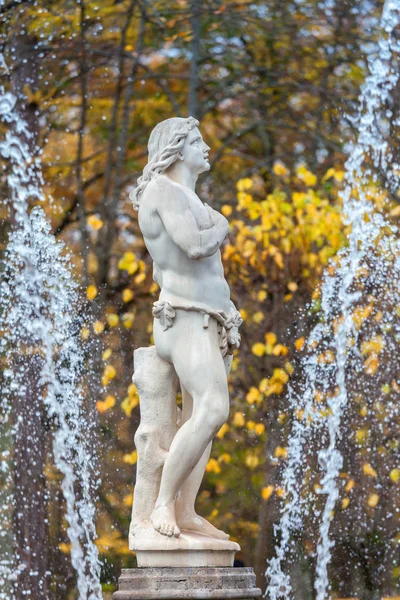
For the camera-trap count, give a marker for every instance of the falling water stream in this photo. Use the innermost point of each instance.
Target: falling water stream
(39, 317)
(340, 295)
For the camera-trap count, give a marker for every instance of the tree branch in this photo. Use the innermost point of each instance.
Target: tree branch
(105, 205)
(80, 193)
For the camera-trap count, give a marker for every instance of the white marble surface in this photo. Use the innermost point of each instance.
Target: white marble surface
(195, 334)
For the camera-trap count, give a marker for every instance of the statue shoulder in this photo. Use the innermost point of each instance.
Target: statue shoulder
(162, 190)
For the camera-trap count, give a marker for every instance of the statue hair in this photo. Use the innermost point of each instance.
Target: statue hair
(165, 142)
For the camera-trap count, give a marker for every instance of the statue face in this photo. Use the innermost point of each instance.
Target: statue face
(195, 152)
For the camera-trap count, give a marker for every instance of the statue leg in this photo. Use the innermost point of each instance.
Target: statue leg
(194, 352)
(187, 518)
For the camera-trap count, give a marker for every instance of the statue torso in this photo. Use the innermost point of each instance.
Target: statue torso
(181, 279)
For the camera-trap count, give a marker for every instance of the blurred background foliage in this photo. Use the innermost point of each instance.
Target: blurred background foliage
(275, 85)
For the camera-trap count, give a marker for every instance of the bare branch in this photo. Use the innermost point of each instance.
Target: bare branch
(80, 193)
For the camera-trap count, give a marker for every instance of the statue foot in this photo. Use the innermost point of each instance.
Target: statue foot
(193, 522)
(163, 520)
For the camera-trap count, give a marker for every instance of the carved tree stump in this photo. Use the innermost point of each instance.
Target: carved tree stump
(157, 385)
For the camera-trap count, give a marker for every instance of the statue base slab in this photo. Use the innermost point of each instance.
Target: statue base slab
(179, 583)
(190, 549)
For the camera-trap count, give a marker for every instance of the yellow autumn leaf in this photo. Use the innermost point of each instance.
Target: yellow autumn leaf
(280, 170)
(226, 210)
(371, 364)
(65, 548)
(345, 503)
(104, 405)
(369, 470)
(127, 295)
(373, 346)
(267, 491)
(395, 475)
(258, 349)
(128, 319)
(274, 387)
(153, 288)
(292, 286)
(140, 278)
(280, 350)
(339, 175)
(110, 401)
(279, 260)
(128, 263)
(280, 452)
(259, 428)
(131, 458)
(128, 500)
(244, 184)
(85, 333)
(253, 395)
(270, 338)
(112, 319)
(305, 175)
(258, 317)
(223, 431)
(132, 390)
(326, 358)
(98, 327)
(280, 375)
(360, 314)
(395, 212)
(214, 513)
(330, 173)
(361, 435)
(349, 485)
(252, 461)
(94, 222)
(373, 500)
(238, 420)
(213, 466)
(109, 371)
(106, 354)
(91, 292)
(129, 403)
(299, 343)
(225, 458)
(261, 295)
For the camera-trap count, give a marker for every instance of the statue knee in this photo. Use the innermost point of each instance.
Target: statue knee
(214, 413)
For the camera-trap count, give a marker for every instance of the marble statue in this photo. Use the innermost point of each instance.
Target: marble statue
(196, 331)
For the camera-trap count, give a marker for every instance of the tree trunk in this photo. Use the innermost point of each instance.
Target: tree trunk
(30, 449)
(30, 493)
(194, 105)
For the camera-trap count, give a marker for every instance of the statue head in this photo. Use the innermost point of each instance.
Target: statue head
(166, 143)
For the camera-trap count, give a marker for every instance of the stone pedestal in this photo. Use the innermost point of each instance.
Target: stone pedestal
(188, 550)
(180, 583)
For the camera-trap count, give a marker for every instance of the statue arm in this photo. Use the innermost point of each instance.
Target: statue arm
(182, 227)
